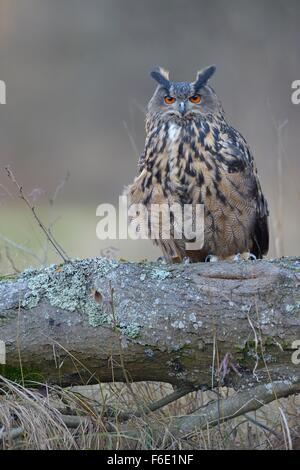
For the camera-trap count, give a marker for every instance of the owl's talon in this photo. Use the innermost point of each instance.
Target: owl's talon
(211, 259)
(162, 260)
(244, 256)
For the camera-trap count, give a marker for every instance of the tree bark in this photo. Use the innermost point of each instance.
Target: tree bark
(103, 320)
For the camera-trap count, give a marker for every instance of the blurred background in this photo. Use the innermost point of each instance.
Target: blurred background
(77, 77)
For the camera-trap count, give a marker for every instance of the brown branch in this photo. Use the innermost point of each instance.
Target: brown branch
(154, 406)
(232, 407)
(74, 421)
(218, 412)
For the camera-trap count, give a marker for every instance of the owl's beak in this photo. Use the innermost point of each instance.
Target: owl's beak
(182, 108)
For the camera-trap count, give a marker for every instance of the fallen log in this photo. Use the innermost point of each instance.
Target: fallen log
(89, 321)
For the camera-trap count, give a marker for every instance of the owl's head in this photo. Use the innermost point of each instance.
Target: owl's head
(183, 101)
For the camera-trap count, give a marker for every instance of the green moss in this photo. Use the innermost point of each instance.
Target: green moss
(7, 277)
(15, 374)
(248, 354)
(286, 345)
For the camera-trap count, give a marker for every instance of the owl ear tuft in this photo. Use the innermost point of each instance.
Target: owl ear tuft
(203, 76)
(161, 76)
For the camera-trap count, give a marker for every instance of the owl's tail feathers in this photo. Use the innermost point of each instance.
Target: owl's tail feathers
(260, 238)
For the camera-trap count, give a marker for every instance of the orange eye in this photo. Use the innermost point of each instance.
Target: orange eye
(169, 99)
(195, 99)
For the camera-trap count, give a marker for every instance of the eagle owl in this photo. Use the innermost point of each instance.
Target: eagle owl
(193, 156)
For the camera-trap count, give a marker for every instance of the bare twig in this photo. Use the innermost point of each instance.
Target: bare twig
(59, 188)
(139, 106)
(20, 247)
(262, 426)
(256, 346)
(279, 242)
(48, 234)
(5, 190)
(286, 430)
(11, 260)
(131, 139)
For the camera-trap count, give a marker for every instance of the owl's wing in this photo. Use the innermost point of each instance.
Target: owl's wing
(235, 153)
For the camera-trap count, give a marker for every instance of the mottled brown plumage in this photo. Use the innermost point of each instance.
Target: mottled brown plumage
(192, 155)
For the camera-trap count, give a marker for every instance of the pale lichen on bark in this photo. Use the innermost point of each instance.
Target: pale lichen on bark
(66, 287)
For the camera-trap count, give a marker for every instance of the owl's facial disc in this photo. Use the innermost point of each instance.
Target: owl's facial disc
(183, 101)
(182, 106)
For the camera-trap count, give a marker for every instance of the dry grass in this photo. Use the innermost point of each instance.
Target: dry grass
(80, 418)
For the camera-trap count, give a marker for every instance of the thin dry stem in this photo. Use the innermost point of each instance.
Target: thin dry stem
(48, 234)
